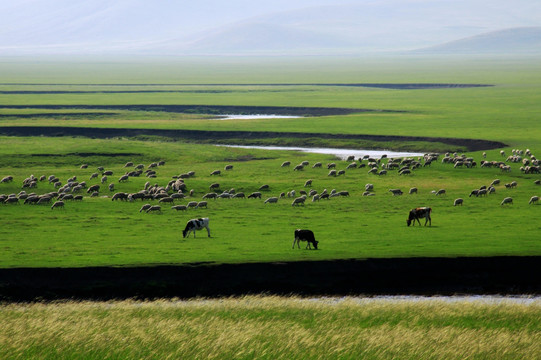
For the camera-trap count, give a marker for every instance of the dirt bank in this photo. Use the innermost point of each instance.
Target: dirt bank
(411, 276)
(228, 137)
(209, 109)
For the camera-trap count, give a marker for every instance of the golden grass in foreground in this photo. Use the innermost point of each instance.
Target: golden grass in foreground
(271, 328)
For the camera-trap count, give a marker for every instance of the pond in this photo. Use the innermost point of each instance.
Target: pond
(340, 153)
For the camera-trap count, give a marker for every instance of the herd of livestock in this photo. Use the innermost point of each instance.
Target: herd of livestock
(177, 190)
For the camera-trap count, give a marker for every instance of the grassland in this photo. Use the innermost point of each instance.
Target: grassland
(272, 328)
(110, 233)
(98, 231)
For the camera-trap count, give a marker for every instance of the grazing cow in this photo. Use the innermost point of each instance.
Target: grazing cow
(305, 235)
(196, 224)
(417, 213)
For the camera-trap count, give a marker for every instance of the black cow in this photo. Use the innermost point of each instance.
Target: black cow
(305, 235)
(417, 213)
(196, 224)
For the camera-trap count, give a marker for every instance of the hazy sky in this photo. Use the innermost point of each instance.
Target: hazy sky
(90, 24)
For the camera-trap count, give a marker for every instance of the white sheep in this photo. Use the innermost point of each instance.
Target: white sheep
(271, 200)
(533, 199)
(507, 200)
(458, 201)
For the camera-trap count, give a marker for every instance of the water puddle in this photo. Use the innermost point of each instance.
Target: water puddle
(254, 117)
(340, 153)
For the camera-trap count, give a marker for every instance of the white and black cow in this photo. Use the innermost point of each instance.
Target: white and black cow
(418, 213)
(305, 235)
(196, 224)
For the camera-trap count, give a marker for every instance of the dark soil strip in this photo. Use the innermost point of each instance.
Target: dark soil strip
(398, 86)
(57, 115)
(228, 137)
(412, 276)
(210, 109)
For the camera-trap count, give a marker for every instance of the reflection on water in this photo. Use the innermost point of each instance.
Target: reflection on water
(341, 153)
(251, 117)
(481, 299)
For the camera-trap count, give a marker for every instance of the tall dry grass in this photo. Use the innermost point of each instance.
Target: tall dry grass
(271, 328)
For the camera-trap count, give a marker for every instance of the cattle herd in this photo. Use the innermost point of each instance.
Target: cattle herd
(176, 189)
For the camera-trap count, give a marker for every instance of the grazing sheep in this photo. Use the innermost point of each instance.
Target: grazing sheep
(413, 190)
(373, 171)
(367, 193)
(350, 158)
(123, 178)
(104, 179)
(255, 195)
(271, 200)
(84, 166)
(332, 173)
(11, 200)
(298, 201)
(316, 165)
(57, 204)
(192, 204)
(495, 182)
(315, 198)
(440, 192)
(7, 179)
(179, 207)
(351, 166)
(201, 204)
(239, 195)
(396, 192)
(154, 208)
(128, 164)
(93, 176)
(214, 186)
(537, 182)
(369, 187)
(43, 200)
(93, 188)
(298, 167)
(210, 196)
(107, 173)
(343, 193)
(228, 167)
(507, 200)
(533, 199)
(119, 196)
(341, 172)
(216, 172)
(308, 183)
(166, 200)
(111, 187)
(264, 187)
(458, 201)
(286, 163)
(405, 172)
(305, 163)
(382, 172)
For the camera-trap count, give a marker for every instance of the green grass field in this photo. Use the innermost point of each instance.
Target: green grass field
(98, 231)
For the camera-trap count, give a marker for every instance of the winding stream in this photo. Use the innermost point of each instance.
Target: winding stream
(341, 153)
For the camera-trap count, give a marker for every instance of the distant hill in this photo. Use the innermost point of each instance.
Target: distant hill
(525, 40)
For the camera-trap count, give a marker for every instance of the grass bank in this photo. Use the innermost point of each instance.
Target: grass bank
(272, 328)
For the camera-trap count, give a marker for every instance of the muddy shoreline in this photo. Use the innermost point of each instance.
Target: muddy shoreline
(508, 275)
(228, 137)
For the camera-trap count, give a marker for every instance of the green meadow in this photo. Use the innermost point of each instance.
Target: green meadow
(98, 231)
